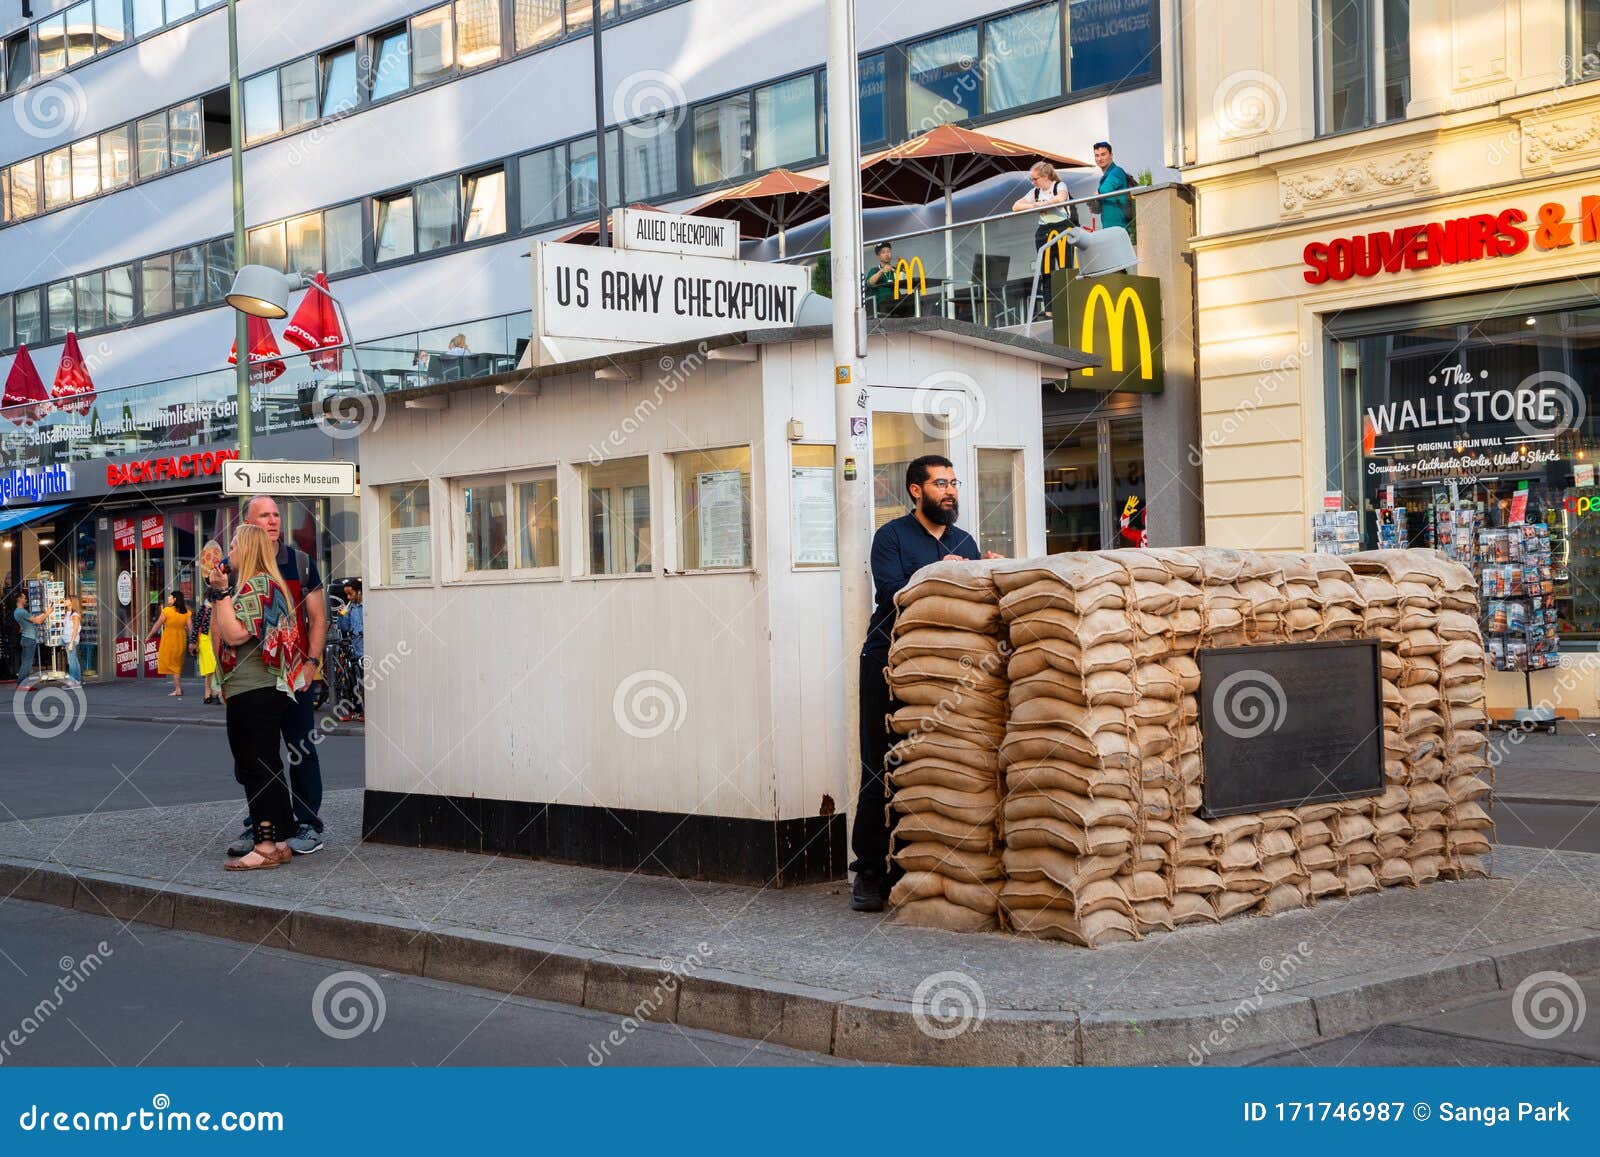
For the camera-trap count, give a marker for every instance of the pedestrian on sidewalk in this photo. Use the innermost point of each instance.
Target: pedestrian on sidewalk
(71, 636)
(173, 627)
(303, 582)
(29, 625)
(901, 547)
(353, 625)
(205, 655)
(263, 668)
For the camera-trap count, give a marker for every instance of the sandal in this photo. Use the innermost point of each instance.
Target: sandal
(254, 861)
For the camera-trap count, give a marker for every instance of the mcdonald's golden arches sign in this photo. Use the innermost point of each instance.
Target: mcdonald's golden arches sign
(909, 270)
(1117, 318)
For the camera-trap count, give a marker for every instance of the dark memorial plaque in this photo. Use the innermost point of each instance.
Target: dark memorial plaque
(1290, 724)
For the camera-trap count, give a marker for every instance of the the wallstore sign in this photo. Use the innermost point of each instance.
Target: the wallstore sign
(1453, 242)
(174, 469)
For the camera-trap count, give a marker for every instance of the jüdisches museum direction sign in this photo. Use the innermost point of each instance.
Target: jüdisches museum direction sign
(656, 298)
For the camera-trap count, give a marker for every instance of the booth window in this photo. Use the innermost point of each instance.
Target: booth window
(485, 506)
(813, 511)
(618, 500)
(407, 534)
(538, 523)
(713, 508)
(999, 501)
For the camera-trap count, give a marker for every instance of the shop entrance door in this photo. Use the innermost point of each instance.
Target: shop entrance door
(139, 591)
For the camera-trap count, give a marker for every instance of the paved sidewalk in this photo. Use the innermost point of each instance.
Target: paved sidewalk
(1546, 768)
(796, 967)
(147, 701)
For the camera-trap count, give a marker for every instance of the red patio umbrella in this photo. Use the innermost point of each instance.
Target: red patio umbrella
(24, 386)
(73, 389)
(266, 359)
(315, 327)
(772, 203)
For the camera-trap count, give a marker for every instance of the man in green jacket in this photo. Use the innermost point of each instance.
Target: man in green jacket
(1113, 177)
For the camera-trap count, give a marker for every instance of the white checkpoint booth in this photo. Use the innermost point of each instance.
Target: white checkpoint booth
(603, 601)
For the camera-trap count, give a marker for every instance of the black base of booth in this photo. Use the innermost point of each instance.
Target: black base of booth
(739, 851)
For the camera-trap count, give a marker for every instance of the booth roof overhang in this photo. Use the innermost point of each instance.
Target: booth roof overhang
(949, 329)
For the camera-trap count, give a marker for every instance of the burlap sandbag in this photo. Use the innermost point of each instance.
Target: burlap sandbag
(1081, 810)
(1050, 832)
(1110, 749)
(970, 579)
(969, 807)
(1085, 631)
(1284, 898)
(1098, 688)
(941, 913)
(931, 827)
(1061, 655)
(1059, 869)
(917, 719)
(1053, 595)
(958, 864)
(981, 757)
(1077, 570)
(985, 679)
(944, 612)
(940, 773)
(1229, 904)
(1104, 927)
(952, 699)
(1064, 775)
(946, 644)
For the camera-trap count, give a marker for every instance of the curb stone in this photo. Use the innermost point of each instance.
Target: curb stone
(1553, 800)
(823, 1020)
(339, 729)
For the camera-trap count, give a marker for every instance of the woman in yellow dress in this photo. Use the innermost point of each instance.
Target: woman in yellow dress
(174, 628)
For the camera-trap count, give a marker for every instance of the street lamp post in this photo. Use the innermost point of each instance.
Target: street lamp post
(852, 420)
(241, 331)
(604, 238)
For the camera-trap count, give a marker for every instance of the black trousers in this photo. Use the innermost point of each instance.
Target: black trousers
(255, 721)
(870, 838)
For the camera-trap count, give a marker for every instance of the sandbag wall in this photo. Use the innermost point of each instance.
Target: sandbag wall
(1098, 745)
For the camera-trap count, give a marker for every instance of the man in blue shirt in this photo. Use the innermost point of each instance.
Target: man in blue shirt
(1113, 177)
(29, 625)
(901, 547)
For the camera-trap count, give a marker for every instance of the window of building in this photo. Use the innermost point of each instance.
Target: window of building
(110, 24)
(52, 36)
(391, 63)
(438, 214)
(538, 523)
(220, 268)
(1363, 59)
(147, 16)
(85, 168)
(722, 139)
(942, 80)
(178, 9)
(152, 138)
(1023, 57)
(485, 539)
(1000, 501)
(116, 157)
(90, 292)
(263, 115)
(483, 204)
(27, 317)
(297, 86)
(537, 22)
(155, 285)
(650, 159)
(579, 13)
(1583, 21)
(304, 243)
(477, 32)
(6, 340)
(267, 246)
(18, 62)
(432, 45)
(394, 228)
(1112, 51)
(407, 534)
(188, 278)
(119, 295)
(216, 122)
(582, 173)
(713, 508)
(338, 80)
(184, 133)
(58, 178)
(542, 183)
(80, 32)
(341, 237)
(24, 189)
(60, 300)
(873, 99)
(786, 122)
(618, 501)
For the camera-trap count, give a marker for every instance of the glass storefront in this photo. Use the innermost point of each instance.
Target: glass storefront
(1094, 486)
(1497, 417)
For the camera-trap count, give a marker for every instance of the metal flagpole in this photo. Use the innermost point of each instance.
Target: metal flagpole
(599, 127)
(241, 324)
(852, 421)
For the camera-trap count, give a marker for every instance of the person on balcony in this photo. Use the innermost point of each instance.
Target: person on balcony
(1114, 211)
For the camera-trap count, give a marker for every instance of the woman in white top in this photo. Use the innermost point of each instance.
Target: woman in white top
(1048, 196)
(71, 633)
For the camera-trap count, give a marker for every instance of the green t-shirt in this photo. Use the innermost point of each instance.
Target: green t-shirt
(250, 674)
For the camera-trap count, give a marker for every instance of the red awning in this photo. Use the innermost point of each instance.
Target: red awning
(73, 389)
(315, 327)
(266, 359)
(24, 386)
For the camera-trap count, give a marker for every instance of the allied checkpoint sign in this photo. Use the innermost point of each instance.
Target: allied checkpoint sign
(629, 297)
(653, 231)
